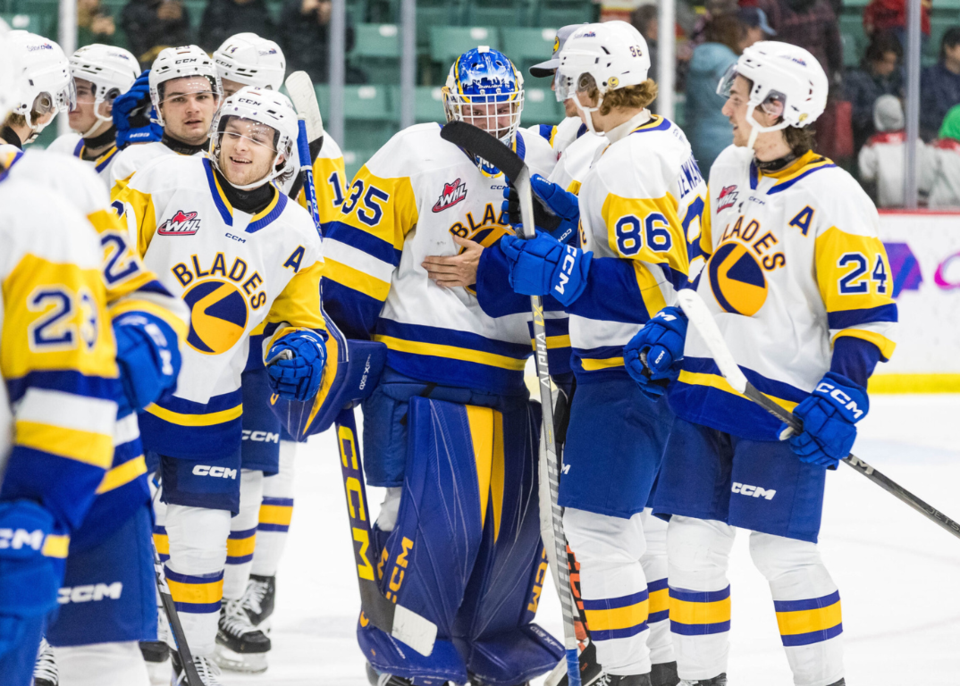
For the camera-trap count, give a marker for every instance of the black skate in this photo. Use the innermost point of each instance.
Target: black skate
(842, 682)
(719, 680)
(207, 669)
(590, 669)
(45, 670)
(665, 674)
(258, 598)
(628, 680)
(241, 647)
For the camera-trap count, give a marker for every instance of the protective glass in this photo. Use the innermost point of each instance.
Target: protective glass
(255, 133)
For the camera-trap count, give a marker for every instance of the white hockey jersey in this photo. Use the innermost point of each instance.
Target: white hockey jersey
(794, 263)
(640, 199)
(233, 271)
(72, 144)
(57, 357)
(405, 204)
(575, 159)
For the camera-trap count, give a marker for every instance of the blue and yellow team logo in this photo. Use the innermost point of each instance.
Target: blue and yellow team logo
(218, 316)
(737, 280)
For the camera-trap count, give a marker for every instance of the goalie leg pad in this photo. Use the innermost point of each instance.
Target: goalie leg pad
(428, 557)
(632, 449)
(109, 592)
(261, 425)
(493, 629)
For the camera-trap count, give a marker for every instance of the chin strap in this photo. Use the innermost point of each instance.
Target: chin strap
(588, 111)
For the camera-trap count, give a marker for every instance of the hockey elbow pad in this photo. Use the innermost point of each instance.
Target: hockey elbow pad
(300, 358)
(829, 417)
(148, 355)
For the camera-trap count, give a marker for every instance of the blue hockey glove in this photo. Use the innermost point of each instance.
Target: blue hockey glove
(299, 372)
(555, 211)
(652, 357)
(829, 416)
(133, 114)
(31, 579)
(544, 266)
(148, 355)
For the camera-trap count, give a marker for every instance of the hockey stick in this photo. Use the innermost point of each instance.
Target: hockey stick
(482, 144)
(396, 620)
(696, 310)
(186, 658)
(310, 141)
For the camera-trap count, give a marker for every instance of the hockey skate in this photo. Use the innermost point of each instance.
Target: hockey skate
(719, 680)
(628, 680)
(156, 654)
(207, 669)
(241, 647)
(258, 600)
(45, 670)
(665, 674)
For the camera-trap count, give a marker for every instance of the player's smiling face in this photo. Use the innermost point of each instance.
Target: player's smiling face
(735, 109)
(188, 107)
(246, 151)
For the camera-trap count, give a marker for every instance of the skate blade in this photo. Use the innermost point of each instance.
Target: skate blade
(249, 663)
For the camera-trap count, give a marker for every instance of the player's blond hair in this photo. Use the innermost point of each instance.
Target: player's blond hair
(628, 97)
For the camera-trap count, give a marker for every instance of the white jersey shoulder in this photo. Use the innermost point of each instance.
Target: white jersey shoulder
(661, 145)
(567, 132)
(134, 158)
(575, 160)
(69, 178)
(67, 144)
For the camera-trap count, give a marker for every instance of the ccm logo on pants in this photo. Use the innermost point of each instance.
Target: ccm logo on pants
(84, 594)
(219, 472)
(261, 436)
(755, 491)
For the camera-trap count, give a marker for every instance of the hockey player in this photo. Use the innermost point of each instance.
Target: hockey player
(101, 73)
(798, 283)
(225, 239)
(635, 206)
(454, 377)
(571, 128)
(49, 73)
(184, 89)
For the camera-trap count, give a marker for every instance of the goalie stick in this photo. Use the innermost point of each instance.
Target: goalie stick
(696, 310)
(482, 144)
(173, 619)
(401, 623)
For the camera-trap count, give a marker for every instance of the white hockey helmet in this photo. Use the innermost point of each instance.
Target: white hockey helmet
(111, 70)
(787, 81)
(9, 73)
(251, 60)
(178, 63)
(612, 55)
(45, 83)
(270, 108)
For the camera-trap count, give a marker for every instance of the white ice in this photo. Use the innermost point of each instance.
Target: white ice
(898, 572)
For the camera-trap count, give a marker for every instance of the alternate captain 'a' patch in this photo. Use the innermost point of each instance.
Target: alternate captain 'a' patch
(737, 280)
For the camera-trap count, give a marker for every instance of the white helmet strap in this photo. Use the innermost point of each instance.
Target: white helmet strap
(756, 128)
(588, 111)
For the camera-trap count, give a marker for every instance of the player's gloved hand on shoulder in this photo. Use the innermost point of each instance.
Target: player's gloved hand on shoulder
(148, 355)
(544, 266)
(829, 416)
(31, 579)
(652, 357)
(298, 373)
(555, 211)
(133, 114)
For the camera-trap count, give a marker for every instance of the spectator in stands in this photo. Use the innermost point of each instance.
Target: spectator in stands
(940, 85)
(942, 171)
(94, 24)
(305, 39)
(879, 74)
(152, 25)
(812, 25)
(883, 157)
(726, 36)
(225, 18)
(881, 16)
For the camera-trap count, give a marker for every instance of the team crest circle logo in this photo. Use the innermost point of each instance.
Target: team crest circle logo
(737, 280)
(218, 316)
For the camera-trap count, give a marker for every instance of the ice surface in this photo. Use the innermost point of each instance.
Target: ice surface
(898, 573)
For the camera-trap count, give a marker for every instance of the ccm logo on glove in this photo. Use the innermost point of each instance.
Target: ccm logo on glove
(15, 539)
(566, 268)
(844, 400)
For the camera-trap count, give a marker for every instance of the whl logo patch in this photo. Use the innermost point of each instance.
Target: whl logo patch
(180, 224)
(727, 198)
(452, 194)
